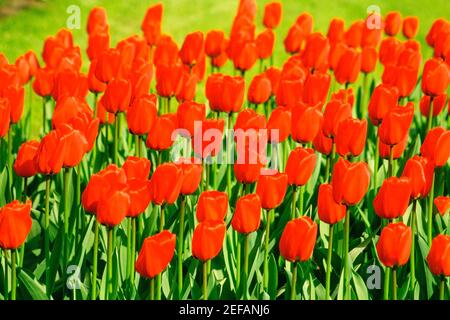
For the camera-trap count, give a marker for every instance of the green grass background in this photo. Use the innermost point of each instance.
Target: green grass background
(27, 28)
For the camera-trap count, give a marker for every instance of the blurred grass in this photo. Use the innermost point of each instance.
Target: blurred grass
(26, 29)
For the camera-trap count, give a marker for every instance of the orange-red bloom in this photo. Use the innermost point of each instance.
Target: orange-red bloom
(156, 253)
(151, 25)
(368, 59)
(336, 111)
(117, 96)
(15, 96)
(350, 181)
(97, 20)
(169, 79)
(215, 43)
(137, 168)
(166, 183)
(353, 35)
(50, 155)
(410, 27)
(271, 188)
(436, 146)
(328, 209)
(289, 92)
(396, 123)
(316, 52)
(435, 77)
(192, 175)
(442, 204)
(336, 31)
(192, 48)
(24, 165)
(272, 15)
(15, 224)
(188, 113)
(212, 205)
(300, 166)
(140, 196)
(248, 165)
(260, 89)
(438, 103)
(439, 256)
(316, 88)
(75, 143)
(208, 138)
(43, 82)
(383, 99)
(279, 124)
(142, 114)
(306, 123)
(351, 137)
(247, 215)
(161, 135)
(208, 239)
(393, 197)
(245, 56)
(298, 239)
(265, 42)
(392, 23)
(394, 245)
(396, 150)
(420, 172)
(348, 67)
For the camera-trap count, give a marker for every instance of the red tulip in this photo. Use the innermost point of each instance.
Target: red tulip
(166, 183)
(436, 146)
(306, 123)
(246, 56)
(274, 76)
(279, 125)
(260, 89)
(335, 32)
(396, 151)
(390, 49)
(248, 119)
(271, 188)
(440, 26)
(5, 119)
(50, 155)
(15, 224)
(392, 23)
(442, 204)
(97, 43)
(97, 20)
(353, 35)
(265, 42)
(163, 132)
(32, 61)
(113, 207)
(393, 197)
(345, 96)
(188, 87)
(436, 77)
(15, 95)
(192, 175)
(166, 52)
(420, 172)
(372, 30)
(208, 239)
(396, 123)
(43, 82)
(438, 102)
(212, 206)
(156, 253)
(248, 165)
(322, 143)
(107, 65)
(394, 245)
(151, 26)
(142, 114)
(300, 166)
(351, 137)
(272, 15)
(410, 27)
(298, 239)
(316, 52)
(215, 43)
(232, 94)
(402, 77)
(328, 209)
(247, 216)
(383, 99)
(117, 96)
(70, 83)
(439, 256)
(289, 92)
(192, 48)
(23, 70)
(94, 84)
(368, 59)
(316, 88)
(24, 165)
(350, 181)
(335, 113)
(188, 114)
(208, 138)
(349, 66)
(168, 80)
(75, 145)
(137, 168)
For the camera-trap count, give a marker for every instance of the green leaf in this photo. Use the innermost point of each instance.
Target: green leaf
(34, 288)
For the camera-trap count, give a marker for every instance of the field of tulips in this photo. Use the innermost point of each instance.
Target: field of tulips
(214, 169)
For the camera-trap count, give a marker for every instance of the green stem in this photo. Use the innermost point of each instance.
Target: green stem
(180, 246)
(161, 219)
(47, 235)
(330, 252)
(376, 164)
(430, 212)
(246, 257)
(347, 257)
(229, 146)
(391, 160)
(300, 202)
(238, 261)
(266, 251)
(44, 114)
(109, 279)
(205, 281)
(152, 289)
(412, 259)
(129, 270)
(430, 116)
(67, 173)
(116, 139)
(6, 280)
(13, 275)
(442, 289)
(133, 249)
(333, 156)
(327, 169)
(294, 200)
(159, 276)
(394, 283)
(9, 159)
(94, 262)
(387, 275)
(294, 281)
